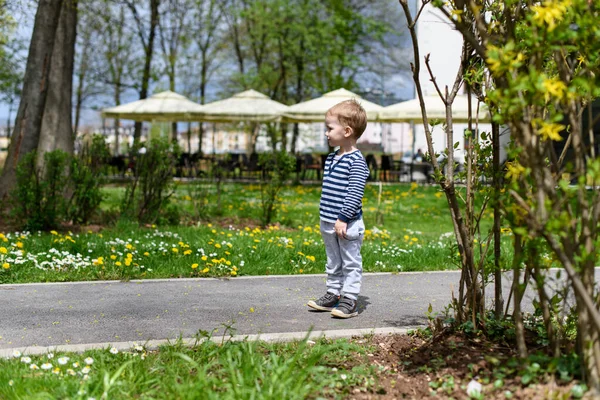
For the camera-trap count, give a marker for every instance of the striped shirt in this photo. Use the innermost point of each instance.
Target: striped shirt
(343, 187)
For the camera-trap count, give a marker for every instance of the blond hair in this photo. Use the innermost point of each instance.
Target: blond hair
(350, 113)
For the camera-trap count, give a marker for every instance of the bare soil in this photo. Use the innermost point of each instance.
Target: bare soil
(407, 365)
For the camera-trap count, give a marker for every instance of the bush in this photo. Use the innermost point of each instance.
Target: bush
(88, 172)
(277, 167)
(152, 185)
(38, 198)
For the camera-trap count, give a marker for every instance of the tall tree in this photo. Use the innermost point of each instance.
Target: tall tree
(147, 35)
(35, 88)
(207, 33)
(173, 30)
(57, 130)
(118, 59)
(291, 50)
(88, 77)
(11, 61)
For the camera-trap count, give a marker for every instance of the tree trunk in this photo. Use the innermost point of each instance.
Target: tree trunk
(295, 138)
(498, 298)
(57, 130)
(35, 88)
(189, 138)
(117, 120)
(200, 137)
(149, 50)
(518, 295)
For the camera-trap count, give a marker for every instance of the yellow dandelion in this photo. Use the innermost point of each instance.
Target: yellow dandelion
(204, 258)
(146, 254)
(175, 250)
(205, 270)
(194, 266)
(218, 245)
(3, 250)
(6, 265)
(187, 252)
(118, 263)
(19, 245)
(54, 232)
(113, 257)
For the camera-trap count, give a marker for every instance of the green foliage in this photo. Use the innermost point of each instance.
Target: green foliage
(210, 369)
(299, 48)
(38, 198)
(87, 174)
(277, 167)
(68, 188)
(152, 185)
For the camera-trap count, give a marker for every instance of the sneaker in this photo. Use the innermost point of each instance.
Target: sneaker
(325, 303)
(346, 308)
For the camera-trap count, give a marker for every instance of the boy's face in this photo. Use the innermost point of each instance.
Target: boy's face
(337, 134)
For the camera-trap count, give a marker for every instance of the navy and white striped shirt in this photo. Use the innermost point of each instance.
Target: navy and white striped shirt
(343, 187)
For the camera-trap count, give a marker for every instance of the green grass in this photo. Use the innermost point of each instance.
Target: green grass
(409, 230)
(207, 370)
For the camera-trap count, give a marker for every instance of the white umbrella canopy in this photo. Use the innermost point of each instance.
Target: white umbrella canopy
(163, 106)
(249, 106)
(314, 110)
(408, 111)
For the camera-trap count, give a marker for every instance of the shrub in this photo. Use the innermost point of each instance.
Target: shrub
(277, 168)
(88, 171)
(38, 198)
(152, 184)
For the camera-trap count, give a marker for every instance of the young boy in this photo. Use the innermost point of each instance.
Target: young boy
(342, 226)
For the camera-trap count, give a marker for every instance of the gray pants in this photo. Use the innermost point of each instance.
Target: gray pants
(344, 262)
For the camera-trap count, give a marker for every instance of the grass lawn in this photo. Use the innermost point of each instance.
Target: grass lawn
(408, 230)
(232, 370)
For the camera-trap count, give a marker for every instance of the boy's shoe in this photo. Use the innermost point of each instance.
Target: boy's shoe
(325, 303)
(346, 308)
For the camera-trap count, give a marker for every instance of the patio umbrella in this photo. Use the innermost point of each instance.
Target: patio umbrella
(247, 106)
(163, 106)
(410, 111)
(314, 110)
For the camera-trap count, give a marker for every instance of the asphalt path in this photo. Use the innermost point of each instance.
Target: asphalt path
(54, 314)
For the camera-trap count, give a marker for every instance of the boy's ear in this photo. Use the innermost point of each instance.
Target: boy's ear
(348, 131)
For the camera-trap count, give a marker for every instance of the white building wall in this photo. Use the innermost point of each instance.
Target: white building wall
(438, 38)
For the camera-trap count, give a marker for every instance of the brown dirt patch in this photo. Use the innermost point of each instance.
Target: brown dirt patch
(406, 365)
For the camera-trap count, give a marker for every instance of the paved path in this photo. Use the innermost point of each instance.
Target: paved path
(107, 312)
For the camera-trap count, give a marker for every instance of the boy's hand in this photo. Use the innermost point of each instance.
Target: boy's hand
(340, 228)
